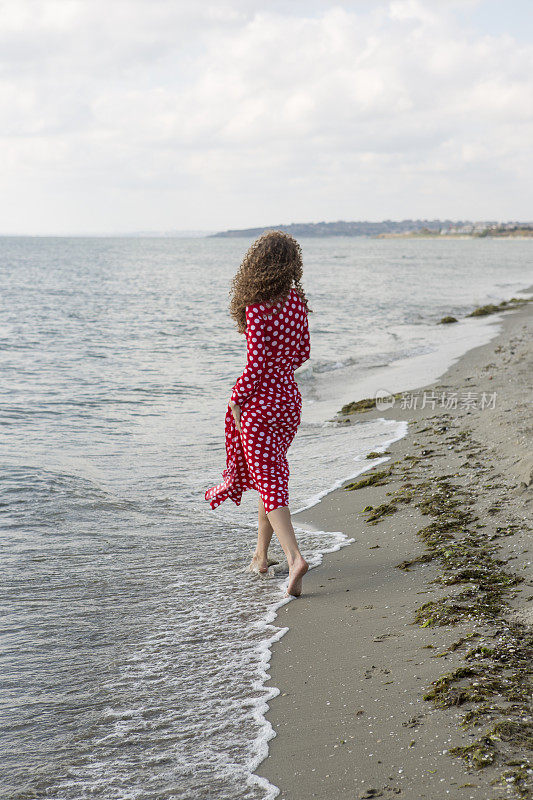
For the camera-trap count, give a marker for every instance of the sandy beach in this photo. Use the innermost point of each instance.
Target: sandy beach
(415, 639)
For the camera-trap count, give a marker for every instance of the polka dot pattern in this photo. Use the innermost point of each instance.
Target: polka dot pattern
(277, 343)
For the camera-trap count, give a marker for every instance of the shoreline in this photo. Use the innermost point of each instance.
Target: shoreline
(414, 370)
(320, 662)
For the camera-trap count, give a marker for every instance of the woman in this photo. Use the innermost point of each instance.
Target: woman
(269, 304)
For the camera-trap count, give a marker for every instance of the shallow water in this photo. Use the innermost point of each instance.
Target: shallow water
(134, 642)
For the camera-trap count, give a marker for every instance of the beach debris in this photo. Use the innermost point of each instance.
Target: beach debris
(413, 722)
(367, 793)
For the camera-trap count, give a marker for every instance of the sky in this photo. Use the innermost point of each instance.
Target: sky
(121, 116)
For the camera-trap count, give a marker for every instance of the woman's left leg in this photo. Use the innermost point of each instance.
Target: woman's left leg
(260, 560)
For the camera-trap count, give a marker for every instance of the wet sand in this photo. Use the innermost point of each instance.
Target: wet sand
(361, 654)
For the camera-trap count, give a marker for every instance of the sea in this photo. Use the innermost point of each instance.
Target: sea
(135, 644)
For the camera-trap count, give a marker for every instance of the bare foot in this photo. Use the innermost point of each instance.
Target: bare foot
(296, 573)
(261, 564)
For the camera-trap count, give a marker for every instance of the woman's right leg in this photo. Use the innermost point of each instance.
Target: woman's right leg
(280, 519)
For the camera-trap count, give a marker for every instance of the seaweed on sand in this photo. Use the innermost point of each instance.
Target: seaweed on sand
(377, 478)
(494, 683)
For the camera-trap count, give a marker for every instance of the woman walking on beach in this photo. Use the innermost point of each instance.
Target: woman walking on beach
(269, 305)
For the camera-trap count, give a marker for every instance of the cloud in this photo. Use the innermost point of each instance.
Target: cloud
(239, 115)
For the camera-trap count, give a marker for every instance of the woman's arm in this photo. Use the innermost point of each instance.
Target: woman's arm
(255, 356)
(304, 346)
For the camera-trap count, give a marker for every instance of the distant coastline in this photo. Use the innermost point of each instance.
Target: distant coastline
(391, 229)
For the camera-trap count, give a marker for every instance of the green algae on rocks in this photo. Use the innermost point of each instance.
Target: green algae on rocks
(359, 406)
(483, 311)
(505, 305)
(447, 320)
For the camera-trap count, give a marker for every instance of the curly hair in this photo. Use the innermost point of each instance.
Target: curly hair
(271, 266)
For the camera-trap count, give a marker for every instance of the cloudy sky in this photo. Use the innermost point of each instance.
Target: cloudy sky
(126, 115)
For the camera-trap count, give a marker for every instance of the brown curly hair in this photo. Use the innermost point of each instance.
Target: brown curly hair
(271, 266)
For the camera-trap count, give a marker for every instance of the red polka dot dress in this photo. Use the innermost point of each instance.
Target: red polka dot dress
(277, 338)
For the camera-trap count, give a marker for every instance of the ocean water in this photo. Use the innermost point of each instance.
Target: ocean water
(134, 642)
